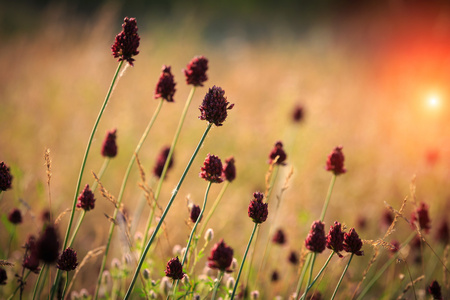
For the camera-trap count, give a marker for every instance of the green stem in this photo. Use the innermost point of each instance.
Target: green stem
(216, 286)
(38, 281)
(310, 273)
(302, 275)
(272, 182)
(166, 210)
(100, 173)
(342, 277)
(309, 286)
(166, 164)
(213, 208)
(327, 200)
(65, 285)
(18, 287)
(80, 219)
(121, 193)
(243, 261)
(83, 164)
(186, 253)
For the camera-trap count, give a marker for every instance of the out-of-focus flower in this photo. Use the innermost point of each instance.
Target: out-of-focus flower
(297, 113)
(86, 199)
(421, 216)
(195, 71)
(161, 160)
(279, 237)
(293, 258)
(174, 269)
(68, 260)
(443, 234)
(335, 161)
(127, 41)
(212, 169)
(15, 216)
(195, 212)
(435, 290)
(3, 276)
(31, 259)
(48, 245)
(229, 169)
(257, 209)
(5, 177)
(214, 106)
(316, 241)
(109, 147)
(274, 276)
(279, 152)
(165, 88)
(352, 242)
(221, 257)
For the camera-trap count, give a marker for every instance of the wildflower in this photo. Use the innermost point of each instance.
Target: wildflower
(165, 88)
(146, 274)
(47, 246)
(174, 269)
(31, 259)
(335, 238)
(5, 177)
(443, 234)
(212, 169)
(127, 41)
(278, 151)
(279, 237)
(335, 161)
(435, 290)
(352, 243)
(421, 215)
(86, 199)
(230, 283)
(293, 258)
(161, 161)
(221, 257)
(362, 222)
(214, 106)
(3, 276)
(196, 71)
(297, 114)
(229, 169)
(109, 147)
(316, 241)
(68, 260)
(15, 216)
(195, 212)
(45, 216)
(257, 210)
(274, 276)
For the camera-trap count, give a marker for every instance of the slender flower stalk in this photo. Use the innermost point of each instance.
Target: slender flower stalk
(309, 286)
(38, 281)
(216, 286)
(327, 199)
(342, 277)
(166, 210)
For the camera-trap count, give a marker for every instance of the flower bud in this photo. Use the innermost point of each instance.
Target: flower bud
(209, 235)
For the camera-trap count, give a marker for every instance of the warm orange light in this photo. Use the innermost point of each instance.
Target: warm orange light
(433, 101)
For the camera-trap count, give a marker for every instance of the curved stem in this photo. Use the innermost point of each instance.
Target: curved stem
(216, 286)
(65, 285)
(309, 286)
(243, 261)
(166, 210)
(327, 200)
(342, 277)
(213, 208)
(310, 273)
(302, 275)
(100, 173)
(80, 220)
(38, 281)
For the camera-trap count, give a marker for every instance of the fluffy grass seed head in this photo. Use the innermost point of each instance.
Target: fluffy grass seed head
(15, 216)
(335, 161)
(109, 147)
(67, 261)
(221, 257)
(278, 151)
(257, 209)
(195, 71)
(174, 269)
(5, 177)
(212, 169)
(86, 199)
(352, 242)
(165, 88)
(316, 241)
(214, 106)
(126, 42)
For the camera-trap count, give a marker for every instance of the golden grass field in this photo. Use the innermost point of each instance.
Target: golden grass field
(364, 83)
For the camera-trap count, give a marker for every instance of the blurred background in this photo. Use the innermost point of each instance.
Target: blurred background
(370, 76)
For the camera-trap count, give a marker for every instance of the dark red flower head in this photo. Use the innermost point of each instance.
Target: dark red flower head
(278, 151)
(279, 237)
(127, 41)
(68, 260)
(195, 212)
(47, 245)
(352, 243)
(221, 257)
(257, 209)
(335, 162)
(293, 258)
(31, 259)
(335, 238)
(5, 177)
(316, 296)
(443, 234)
(212, 169)
(316, 241)
(435, 290)
(165, 88)
(109, 148)
(15, 216)
(297, 114)
(174, 269)
(161, 161)
(275, 276)
(421, 215)
(214, 106)
(195, 71)
(3, 276)
(86, 199)
(229, 169)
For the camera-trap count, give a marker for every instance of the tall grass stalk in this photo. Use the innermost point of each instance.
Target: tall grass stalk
(314, 255)
(216, 286)
(83, 164)
(122, 190)
(342, 277)
(38, 282)
(309, 286)
(166, 210)
(213, 207)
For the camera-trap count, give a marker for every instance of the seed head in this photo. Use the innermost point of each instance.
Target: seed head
(335, 161)
(15, 216)
(316, 241)
(395, 246)
(297, 113)
(293, 258)
(443, 234)
(352, 242)
(195, 71)
(279, 237)
(68, 260)
(48, 245)
(421, 215)
(195, 212)
(257, 210)
(161, 160)
(174, 269)
(335, 238)
(212, 169)
(3, 276)
(435, 290)
(278, 151)
(165, 88)
(109, 148)
(5, 177)
(229, 169)
(86, 199)
(221, 257)
(127, 41)
(214, 106)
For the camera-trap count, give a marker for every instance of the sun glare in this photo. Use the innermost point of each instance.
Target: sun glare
(433, 101)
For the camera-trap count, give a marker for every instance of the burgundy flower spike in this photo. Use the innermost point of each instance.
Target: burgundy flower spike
(5, 177)
(421, 216)
(47, 245)
(161, 161)
(68, 260)
(214, 106)
(174, 269)
(86, 199)
(335, 162)
(109, 148)
(195, 212)
(165, 88)
(127, 41)
(279, 237)
(212, 169)
(278, 151)
(15, 216)
(335, 238)
(435, 290)
(315, 241)
(257, 210)
(221, 257)
(229, 169)
(352, 243)
(195, 71)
